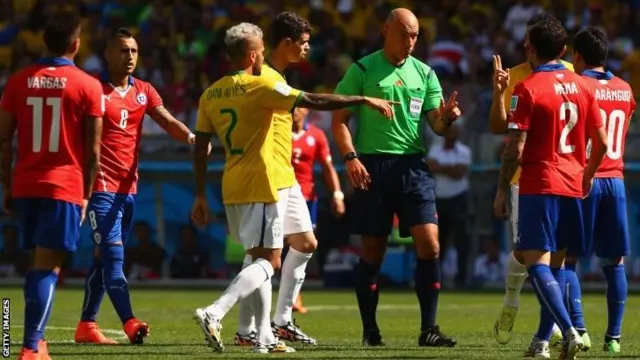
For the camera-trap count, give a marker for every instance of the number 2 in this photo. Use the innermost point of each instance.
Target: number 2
(37, 106)
(232, 126)
(297, 152)
(572, 109)
(124, 118)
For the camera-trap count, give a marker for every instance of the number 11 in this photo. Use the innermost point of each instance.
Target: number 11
(37, 105)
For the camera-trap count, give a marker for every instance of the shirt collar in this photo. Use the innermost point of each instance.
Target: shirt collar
(549, 67)
(598, 75)
(55, 61)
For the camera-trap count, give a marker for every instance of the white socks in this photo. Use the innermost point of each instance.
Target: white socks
(246, 320)
(514, 280)
(262, 306)
(243, 285)
(291, 279)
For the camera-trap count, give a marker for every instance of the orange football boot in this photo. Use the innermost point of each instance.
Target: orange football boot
(89, 332)
(136, 331)
(41, 354)
(298, 307)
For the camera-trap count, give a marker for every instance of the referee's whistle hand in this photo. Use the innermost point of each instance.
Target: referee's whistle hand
(385, 107)
(358, 174)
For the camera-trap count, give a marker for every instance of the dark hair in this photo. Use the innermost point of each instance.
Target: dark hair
(548, 38)
(122, 33)
(542, 17)
(61, 31)
(591, 44)
(288, 25)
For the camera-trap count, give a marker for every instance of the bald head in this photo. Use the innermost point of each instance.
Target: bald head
(402, 17)
(400, 34)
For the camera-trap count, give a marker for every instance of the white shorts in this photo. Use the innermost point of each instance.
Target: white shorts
(266, 225)
(515, 235)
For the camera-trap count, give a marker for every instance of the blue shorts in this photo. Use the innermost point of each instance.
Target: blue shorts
(605, 219)
(550, 223)
(401, 185)
(48, 223)
(110, 216)
(313, 211)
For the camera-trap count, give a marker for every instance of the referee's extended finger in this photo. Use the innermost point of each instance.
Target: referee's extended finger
(452, 99)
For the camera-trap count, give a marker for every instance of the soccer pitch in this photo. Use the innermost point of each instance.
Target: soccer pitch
(333, 319)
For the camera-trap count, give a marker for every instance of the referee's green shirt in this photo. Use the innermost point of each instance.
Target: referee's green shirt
(413, 84)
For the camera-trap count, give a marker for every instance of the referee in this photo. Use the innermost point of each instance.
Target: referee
(386, 165)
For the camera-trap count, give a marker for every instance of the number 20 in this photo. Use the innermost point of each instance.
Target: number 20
(614, 124)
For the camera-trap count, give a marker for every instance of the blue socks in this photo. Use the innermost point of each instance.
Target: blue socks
(93, 291)
(545, 327)
(39, 288)
(549, 294)
(573, 299)
(616, 297)
(114, 280)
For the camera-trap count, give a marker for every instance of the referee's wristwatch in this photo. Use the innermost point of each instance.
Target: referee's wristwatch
(350, 156)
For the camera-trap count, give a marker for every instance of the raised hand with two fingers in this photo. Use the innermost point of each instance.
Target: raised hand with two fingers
(500, 76)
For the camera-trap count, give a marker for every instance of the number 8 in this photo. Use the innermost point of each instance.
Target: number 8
(92, 220)
(124, 118)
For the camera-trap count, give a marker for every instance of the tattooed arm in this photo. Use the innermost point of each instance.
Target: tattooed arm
(174, 127)
(7, 130)
(511, 158)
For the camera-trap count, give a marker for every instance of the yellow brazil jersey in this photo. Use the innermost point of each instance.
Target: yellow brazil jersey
(240, 108)
(516, 75)
(282, 124)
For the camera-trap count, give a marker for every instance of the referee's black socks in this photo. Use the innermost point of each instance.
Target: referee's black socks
(367, 293)
(428, 278)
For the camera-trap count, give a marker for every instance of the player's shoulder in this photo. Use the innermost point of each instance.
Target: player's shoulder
(463, 149)
(313, 130)
(368, 62)
(270, 73)
(520, 72)
(139, 83)
(619, 83)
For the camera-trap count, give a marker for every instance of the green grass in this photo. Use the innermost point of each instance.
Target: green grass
(333, 319)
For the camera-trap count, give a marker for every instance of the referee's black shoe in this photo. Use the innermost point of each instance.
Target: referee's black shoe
(372, 337)
(434, 337)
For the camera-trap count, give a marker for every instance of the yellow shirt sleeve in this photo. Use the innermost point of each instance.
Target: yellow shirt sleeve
(275, 95)
(204, 124)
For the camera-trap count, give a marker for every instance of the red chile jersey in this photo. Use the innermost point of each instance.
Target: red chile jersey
(558, 111)
(617, 104)
(51, 101)
(125, 110)
(309, 146)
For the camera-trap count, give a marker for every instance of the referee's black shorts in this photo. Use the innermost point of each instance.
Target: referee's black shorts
(401, 185)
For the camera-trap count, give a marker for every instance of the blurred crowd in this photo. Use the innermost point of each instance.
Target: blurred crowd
(181, 47)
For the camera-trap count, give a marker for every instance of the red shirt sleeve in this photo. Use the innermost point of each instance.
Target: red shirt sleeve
(322, 149)
(95, 100)
(154, 99)
(521, 108)
(6, 102)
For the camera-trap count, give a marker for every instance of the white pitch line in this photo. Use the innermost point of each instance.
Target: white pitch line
(118, 334)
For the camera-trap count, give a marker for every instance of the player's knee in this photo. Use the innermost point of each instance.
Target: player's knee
(612, 261)
(425, 238)
(305, 243)
(112, 260)
(557, 259)
(48, 259)
(273, 256)
(373, 249)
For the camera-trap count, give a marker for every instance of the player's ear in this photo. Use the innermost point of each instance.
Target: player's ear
(75, 45)
(564, 51)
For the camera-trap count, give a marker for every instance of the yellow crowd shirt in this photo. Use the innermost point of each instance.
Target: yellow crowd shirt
(284, 176)
(239, 108)
(516, 75)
